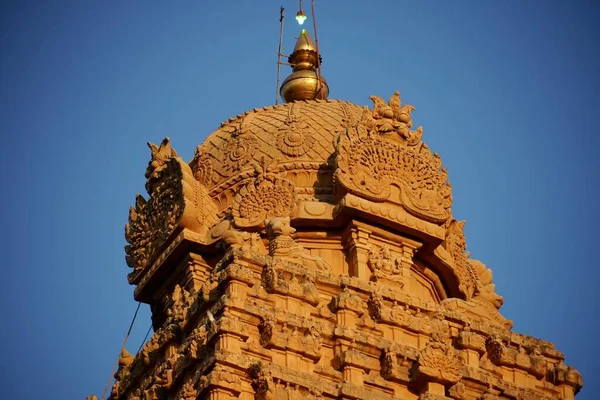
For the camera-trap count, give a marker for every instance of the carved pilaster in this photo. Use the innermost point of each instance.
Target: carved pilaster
(197, 272)
(356, 239)
(406, 261)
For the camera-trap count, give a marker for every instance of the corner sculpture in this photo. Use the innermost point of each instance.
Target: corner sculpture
(309, 251)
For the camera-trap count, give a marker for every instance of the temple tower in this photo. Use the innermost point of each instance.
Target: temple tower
(308, 250)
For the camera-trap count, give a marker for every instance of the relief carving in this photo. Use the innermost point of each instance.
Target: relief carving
(375, 306)
(458, 391)
(188, 392)
(197, 342)
(269, 277)
(393, 118)
(276, 278)
(405, 318)
(293, 138)
(282, 245)
(262, 382)
(267, 195)
(266, 326)
(311, 341)
(202, 168)
(180, 302)
(438, 361)
(124, 362)
(150, 349)
(384, 265)
(238, 151)
(369, 163)
(347, 300)
(455, 243)
(247, 242)
(389, 362)
(475, 281)
(176, 199)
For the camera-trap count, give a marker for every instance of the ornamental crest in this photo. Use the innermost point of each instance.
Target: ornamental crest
(294, 139)
(202, 167)
(377, 152)
(455, 243)
(239, 149)
(176, 200)
(267, 195)
(152, 221)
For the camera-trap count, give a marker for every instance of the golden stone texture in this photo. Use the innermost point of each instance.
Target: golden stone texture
(308, 251)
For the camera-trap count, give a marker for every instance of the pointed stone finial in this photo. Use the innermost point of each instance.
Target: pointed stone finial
(304, 82)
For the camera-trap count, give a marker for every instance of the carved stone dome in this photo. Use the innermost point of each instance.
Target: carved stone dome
(301, 229)
(299, 137)
(324, 166)
(320, 146)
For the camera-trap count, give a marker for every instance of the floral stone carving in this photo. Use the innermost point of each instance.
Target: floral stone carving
(176, 200)
(370, 162)
(267, 195)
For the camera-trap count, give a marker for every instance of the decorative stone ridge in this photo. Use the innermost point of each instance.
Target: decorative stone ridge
(308, 252)
(378, 152)
(177, 200)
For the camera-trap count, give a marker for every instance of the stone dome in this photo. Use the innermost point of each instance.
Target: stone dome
(330, 168)
(299, 137)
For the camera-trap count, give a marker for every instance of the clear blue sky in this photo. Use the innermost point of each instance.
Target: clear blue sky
(507, 92)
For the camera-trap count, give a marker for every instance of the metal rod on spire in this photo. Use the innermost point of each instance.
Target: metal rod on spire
(317, 49)
(279, 54)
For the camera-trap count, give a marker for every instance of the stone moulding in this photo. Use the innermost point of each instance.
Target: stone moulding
(390, 214)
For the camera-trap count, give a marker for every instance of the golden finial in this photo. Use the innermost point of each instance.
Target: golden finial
(304, 82)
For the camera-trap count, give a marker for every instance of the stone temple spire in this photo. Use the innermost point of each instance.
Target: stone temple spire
(304, 82)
